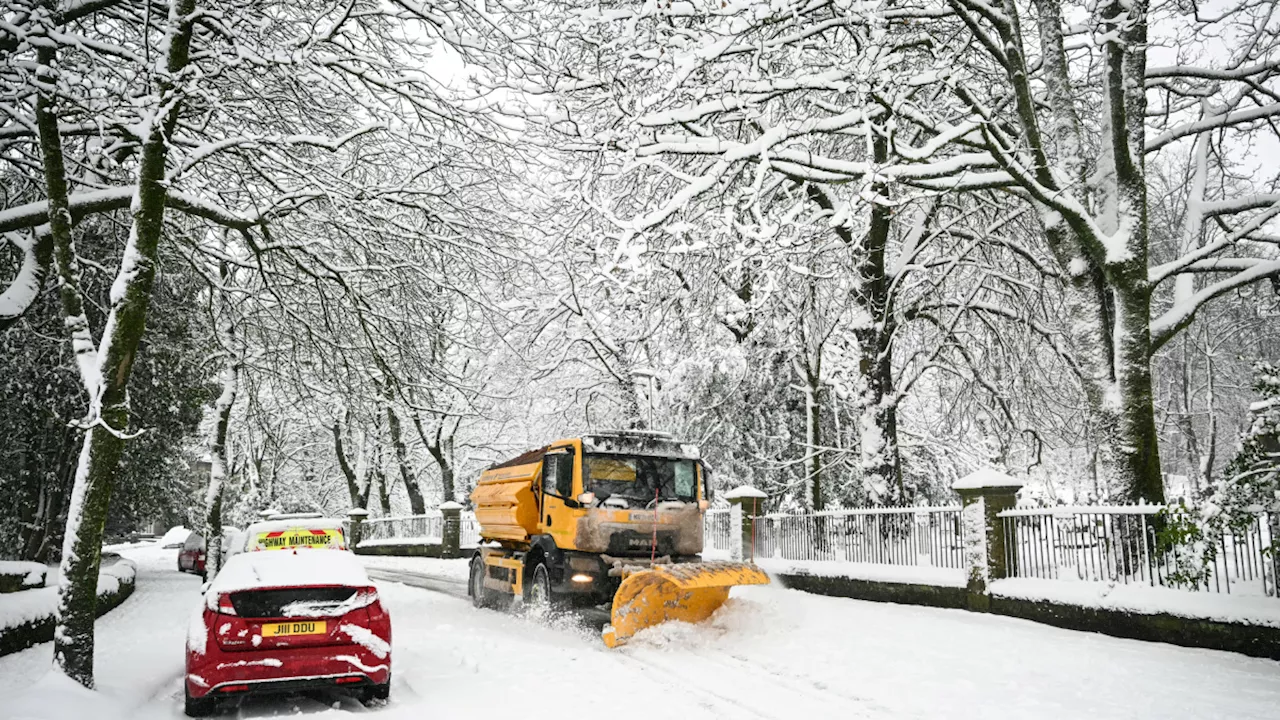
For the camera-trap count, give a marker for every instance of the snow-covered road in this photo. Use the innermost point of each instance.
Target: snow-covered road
(770, 653)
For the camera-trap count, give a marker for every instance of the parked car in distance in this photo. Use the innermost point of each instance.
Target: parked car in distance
(174, 537)
(192, 556)
(285, 615)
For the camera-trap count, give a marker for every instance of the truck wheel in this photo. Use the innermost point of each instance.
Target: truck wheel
(541, 597)
(481, 596)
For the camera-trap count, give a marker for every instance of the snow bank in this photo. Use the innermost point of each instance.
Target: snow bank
(1145, 600)
(57, 697)
(909, 574)
(283, 568)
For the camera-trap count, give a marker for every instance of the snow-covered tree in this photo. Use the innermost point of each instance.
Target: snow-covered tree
(1252, 479)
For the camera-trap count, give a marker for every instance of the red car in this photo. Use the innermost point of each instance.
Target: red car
(191, 557)
(294, 617)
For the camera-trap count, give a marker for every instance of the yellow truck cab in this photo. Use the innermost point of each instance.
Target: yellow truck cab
(576, 520)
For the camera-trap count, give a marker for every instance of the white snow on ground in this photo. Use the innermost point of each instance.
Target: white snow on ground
(450, 569)
(769, 653)
(29, 605)
(1144, 599)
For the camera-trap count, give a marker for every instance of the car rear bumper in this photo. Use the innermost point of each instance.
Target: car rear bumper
(227, 674)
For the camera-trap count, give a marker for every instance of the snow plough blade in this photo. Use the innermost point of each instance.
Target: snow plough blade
(690, 592)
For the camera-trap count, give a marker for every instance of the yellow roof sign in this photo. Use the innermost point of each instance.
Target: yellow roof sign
(301, 537)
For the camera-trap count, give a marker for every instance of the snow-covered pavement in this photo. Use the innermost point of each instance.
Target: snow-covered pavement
(769, 653)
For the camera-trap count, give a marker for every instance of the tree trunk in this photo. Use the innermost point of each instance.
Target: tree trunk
(104, 442)
(417, 505)
(813, 435)
(441, 449)
(1135, 451)
(218, 455)
(384, 496)
(445, 463)
(878, 421)
(353, 483)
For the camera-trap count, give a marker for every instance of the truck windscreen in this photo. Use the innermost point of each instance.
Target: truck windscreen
(638, 478)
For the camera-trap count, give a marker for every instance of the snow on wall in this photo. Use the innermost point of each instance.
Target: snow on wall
(1144, 600)
(908, 574)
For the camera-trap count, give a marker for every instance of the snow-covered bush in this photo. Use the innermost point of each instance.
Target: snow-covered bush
(1252, 480)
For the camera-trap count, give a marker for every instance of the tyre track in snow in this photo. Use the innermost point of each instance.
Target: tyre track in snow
(685, 668)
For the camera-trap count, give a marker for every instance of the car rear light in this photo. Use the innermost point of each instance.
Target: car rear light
(352, 679)
(233, 688)
(220, 603)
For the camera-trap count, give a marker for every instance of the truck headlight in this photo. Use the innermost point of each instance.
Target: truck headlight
(582, 578)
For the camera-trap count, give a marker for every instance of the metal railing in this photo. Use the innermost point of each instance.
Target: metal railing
(409, 527)
(469, 533)
(1143, 544)
(427, 528)
(928, 536)
(715, 530)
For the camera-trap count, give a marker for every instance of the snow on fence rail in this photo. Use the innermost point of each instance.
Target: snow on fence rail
(921, 536)
(1145, 544)
(426, 529)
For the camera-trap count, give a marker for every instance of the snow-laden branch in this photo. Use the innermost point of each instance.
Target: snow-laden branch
(211, 149)
(1177, 317)
(1212, 122)
(25, 287)
(1160, 273)
(81, 204)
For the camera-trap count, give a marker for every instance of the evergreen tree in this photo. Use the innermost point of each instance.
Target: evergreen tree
(1252, 480)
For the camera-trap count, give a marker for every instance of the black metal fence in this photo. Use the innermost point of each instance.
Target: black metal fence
(928, 536)
(427, 529)
(1146, 544)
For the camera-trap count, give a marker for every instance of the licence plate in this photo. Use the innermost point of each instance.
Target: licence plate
(293, 628)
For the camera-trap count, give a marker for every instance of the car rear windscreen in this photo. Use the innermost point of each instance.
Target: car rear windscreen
(292, 602)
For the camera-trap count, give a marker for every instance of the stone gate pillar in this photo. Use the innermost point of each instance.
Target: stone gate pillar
(984, 494)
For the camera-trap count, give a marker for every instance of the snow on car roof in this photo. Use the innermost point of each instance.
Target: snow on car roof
(175, 535)
(290, 568)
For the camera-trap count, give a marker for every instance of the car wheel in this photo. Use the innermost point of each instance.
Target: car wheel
(199, 707)
(376, 692)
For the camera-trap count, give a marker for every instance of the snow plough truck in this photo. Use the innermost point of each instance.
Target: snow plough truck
(613, 518)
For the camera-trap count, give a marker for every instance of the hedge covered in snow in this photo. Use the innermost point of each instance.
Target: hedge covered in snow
(16, 576)
(28, 617)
